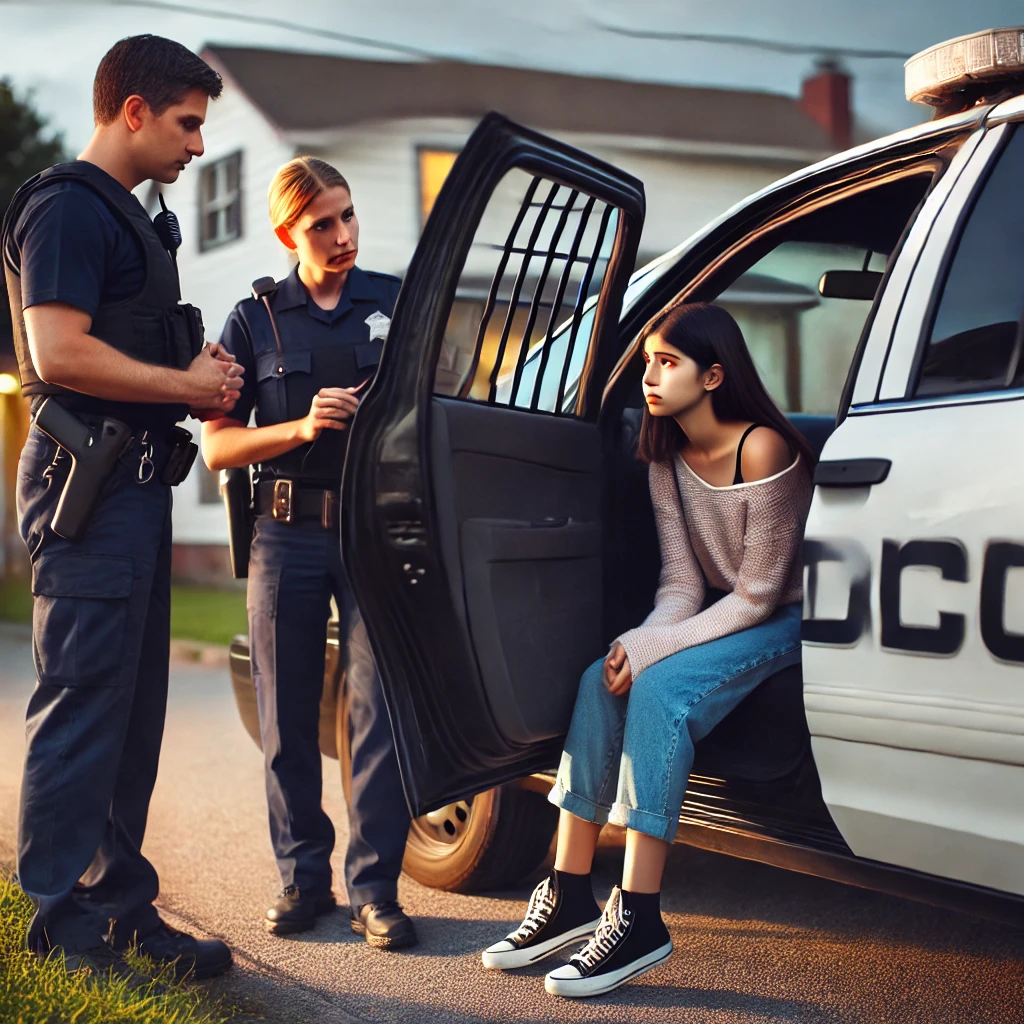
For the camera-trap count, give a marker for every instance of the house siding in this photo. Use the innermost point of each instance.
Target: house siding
(218, 278)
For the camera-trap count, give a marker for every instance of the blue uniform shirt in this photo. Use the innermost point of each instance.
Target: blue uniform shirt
(70, 248)
(321, 348)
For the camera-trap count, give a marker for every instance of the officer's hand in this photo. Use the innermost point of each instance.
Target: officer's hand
(618, 676)
(331, 409)
(218, 351)
(214, 380)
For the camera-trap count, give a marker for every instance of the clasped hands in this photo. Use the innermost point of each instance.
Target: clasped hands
(617, 674)
(217, 377)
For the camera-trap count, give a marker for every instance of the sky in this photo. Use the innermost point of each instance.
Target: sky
(51, 49)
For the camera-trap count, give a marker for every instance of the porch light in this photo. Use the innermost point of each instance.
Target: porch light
(948, 67)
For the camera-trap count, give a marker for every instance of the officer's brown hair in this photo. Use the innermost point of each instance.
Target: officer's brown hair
(296, 185)
(159, 70)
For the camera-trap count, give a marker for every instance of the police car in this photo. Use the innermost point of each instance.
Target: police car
(498, 532)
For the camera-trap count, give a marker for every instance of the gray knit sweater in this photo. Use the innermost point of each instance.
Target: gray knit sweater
(744, 539)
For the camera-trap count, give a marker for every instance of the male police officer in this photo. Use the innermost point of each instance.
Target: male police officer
(99, 329)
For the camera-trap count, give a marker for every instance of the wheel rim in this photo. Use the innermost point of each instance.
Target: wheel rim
(434, 835)
(447, 826)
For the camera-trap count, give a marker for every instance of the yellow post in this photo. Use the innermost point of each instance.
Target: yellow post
(14, 422)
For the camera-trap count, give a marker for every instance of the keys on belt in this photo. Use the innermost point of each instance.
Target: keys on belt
(290, 501)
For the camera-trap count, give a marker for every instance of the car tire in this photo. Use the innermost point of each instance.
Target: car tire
(489, 841)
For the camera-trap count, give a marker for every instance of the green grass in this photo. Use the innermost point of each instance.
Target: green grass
(15, 599)
(207, 614)
(204, 614)
(33, 991)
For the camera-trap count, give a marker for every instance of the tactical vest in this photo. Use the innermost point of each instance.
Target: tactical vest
(152, 326)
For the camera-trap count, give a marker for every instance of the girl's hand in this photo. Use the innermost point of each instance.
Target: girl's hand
(618, 676)
(331, 409)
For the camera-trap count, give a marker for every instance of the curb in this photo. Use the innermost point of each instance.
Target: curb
(15, 630)
(195, 653)
(182, 651)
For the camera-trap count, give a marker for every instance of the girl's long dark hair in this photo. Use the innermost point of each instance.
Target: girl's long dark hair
(708, 334)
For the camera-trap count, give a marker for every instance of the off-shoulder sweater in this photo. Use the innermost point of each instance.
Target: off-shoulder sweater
(744, 539)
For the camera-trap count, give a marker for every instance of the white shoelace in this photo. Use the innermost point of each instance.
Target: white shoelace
(538, 913)
(610, 931)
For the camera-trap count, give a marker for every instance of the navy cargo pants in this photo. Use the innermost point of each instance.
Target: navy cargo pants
(294, 570)
(100, 632)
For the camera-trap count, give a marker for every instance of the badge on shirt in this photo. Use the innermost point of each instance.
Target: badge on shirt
(379, 324)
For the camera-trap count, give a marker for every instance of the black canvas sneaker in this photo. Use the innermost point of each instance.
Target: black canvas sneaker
(546, 928)
(617, 953)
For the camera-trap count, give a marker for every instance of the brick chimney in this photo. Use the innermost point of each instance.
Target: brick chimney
(826, 98)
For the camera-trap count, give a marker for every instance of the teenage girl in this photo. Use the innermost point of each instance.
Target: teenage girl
(730, 484)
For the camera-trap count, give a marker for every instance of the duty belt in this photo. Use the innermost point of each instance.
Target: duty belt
(292, 501)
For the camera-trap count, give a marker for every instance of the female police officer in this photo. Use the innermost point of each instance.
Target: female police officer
(307, 348)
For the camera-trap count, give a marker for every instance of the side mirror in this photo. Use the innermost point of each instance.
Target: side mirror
(850, 284)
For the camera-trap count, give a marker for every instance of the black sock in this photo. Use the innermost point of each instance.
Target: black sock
(648, 927)
(576, 898)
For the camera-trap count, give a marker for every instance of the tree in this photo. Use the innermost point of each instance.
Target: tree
(24, 151)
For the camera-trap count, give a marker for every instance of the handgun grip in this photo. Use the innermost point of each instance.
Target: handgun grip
(62, 427)
(91, 467)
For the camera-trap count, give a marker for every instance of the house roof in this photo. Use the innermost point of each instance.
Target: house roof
(305, 92)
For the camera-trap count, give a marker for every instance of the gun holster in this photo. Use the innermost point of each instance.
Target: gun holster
(236, 490)
(182, 453)
(94, 452)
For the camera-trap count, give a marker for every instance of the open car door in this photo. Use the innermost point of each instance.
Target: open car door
(472, 494)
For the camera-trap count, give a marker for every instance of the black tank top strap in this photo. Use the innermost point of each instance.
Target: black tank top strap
(738, 476)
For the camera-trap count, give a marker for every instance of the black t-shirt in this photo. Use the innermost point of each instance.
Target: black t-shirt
(71, 248)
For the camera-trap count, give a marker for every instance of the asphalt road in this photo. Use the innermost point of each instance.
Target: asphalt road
(753, 944)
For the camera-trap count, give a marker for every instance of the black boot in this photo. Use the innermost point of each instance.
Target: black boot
(184, 954)
(385, 925)
(297, 911)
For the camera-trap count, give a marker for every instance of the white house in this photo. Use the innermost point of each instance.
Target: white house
(393, 129)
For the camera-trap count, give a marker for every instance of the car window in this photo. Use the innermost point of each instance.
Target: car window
(521, 323)
(801, 342)
(975, 339)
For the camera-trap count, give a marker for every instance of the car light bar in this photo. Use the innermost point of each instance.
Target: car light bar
(949, 67)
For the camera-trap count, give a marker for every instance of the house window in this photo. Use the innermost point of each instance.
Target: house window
(434, 165)
(220, 202)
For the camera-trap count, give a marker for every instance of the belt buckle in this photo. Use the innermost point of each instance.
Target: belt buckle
(283, 508)
(329, 511)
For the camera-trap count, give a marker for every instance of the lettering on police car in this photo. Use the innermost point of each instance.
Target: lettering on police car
(950, 558)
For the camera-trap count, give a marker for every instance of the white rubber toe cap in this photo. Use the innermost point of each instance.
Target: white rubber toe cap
(493, 957)
(564, 973)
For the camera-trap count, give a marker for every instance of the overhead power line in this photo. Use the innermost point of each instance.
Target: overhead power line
(289, 25)
(773, 46)
(804, 49)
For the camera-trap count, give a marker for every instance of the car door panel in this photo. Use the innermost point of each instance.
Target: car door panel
(524, 511)
(533, 596)
(471, 525)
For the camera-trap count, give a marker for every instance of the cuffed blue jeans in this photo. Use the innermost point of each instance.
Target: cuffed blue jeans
(627, 759)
